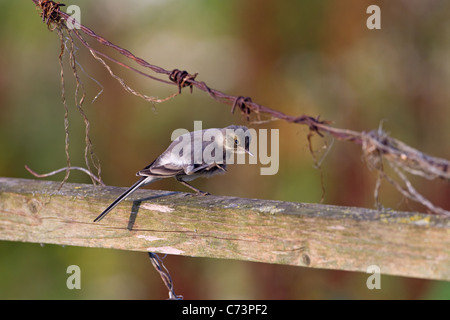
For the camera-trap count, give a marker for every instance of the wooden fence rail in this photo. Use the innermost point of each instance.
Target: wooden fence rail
(312, 235)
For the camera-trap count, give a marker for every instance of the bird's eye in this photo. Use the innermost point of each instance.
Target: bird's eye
(236, 142)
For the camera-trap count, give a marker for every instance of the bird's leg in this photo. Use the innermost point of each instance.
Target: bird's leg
(203, 193)
(220, 167)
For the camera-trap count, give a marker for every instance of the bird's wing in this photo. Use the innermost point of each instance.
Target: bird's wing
(205, 168)
(163, 170)
(185, 157)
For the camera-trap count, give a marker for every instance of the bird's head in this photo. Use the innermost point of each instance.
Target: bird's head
(237, 139)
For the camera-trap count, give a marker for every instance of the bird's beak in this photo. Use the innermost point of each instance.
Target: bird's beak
(240, 148)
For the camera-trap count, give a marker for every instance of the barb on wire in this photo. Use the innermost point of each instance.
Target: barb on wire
(376, 146)
(165, 276)
(50, 12)
(182, 79)
(241, 102)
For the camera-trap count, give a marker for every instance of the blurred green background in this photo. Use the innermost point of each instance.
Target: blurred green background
(302, 57)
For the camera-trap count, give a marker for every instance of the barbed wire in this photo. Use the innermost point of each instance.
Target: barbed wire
(377, 146)
(165, 275)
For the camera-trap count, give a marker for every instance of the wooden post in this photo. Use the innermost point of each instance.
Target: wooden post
(311, 235)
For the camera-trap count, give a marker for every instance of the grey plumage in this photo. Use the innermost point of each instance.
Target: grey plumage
(191, 156)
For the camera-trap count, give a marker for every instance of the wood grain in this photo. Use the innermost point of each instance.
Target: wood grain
(310, 235)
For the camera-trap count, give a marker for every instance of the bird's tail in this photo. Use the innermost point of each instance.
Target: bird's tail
(134, 187)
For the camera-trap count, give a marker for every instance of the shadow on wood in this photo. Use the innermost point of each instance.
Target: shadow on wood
(317, 236)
